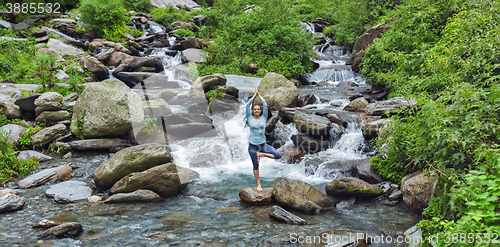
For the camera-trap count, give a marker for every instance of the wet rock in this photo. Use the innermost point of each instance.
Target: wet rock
(292, 154)
(10, 110)
(45, 224)
(93, 65)
(251, 195)
(278, 91)
(209, 82)
(346, 204)
(48, 97)
(133, 78)
(312, 125)
(229, 90)
(134, 159)
(11, 202)
(7, 191)
(414, 232)
(335, 119)
(418, 189)
(193, 43)
(363, 42)
(106, 108)
(14, 132)
(66, 230)
(157, 81)
(188, 130)
(140, 64)
(301, 196)
(69, 191)
(306, 99)
(309, 144)
(352, 187)
(372, 129)
(396, 194)
(357, 105)
(47, 135)
(366, 172)
(96, 144)
(48, 106)
(28, 154)
(223, 106)
(282, 215)
(53, 116)
(389, 105)
(136, 196)
(165, 180)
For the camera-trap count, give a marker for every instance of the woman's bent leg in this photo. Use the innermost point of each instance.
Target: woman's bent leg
(269, 152)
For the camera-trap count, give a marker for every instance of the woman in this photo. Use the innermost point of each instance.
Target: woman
(257, 147)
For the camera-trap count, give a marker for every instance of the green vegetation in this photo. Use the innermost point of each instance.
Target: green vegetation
(445, 54)
(185, 33)
(166, 16)
(215, 94)
(149, 126)
(105, 18)
(10, 166)
(143, 6)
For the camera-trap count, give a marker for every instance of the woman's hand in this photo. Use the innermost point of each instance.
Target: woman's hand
(257, 92)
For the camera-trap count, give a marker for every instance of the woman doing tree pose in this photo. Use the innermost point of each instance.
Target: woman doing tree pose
(257, 147)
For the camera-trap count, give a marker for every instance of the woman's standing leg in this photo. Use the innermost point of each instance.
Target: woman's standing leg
(252, 150)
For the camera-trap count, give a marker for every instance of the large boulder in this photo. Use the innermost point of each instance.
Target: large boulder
(309, 144)
(53, 117)
(367, 173)
(134, 159)
(14, 132)
(418, 190)
(312, 125)
(348, 187)
(10, 110)
(194, 55)
(156, 108)
(390, 105)
(357, 105)
(108, 108)
(93, 65)
(301, 196)
(278, 91)
(372, 129)
(48, 97)
(165, 180)
(10, 94)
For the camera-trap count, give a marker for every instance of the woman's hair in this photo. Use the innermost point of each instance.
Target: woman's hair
(261, 112)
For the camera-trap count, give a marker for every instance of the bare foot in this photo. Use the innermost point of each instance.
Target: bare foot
(259, 188)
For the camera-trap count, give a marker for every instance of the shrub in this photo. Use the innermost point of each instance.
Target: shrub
(105, 18)
(215, 94)
(168, 15)
(143, 6)
(10, 166)
(185, 33)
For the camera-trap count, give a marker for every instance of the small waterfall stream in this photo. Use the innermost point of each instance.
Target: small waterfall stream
(209, 210)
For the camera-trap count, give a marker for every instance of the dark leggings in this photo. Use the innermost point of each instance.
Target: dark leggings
(262, 148)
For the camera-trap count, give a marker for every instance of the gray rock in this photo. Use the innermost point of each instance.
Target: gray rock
(134, 77)
(10, 110)
(69, 191)
(63, 37)
(134, 159)
(48, 97)
(366, 172)
(165, 180)
(278, 91)
(48, 106)
(61, 75)
(390, 105)
(156, 108)
(108, 108)
(61, 49)
(194, 55)
(414, 233)
(251, 195)
(14, 132)
(347, 186)
(21, 26)
(10, 94)
(418, 190)
(93, 65)
(166, 3)
(69, 21)
(53, 116)
(136, 196)
(27, 103)
(11, 202)
(282, 215)
(6, 24)
(357, 105)
(208, 82)
(223, 106)
(47, 135)
(27, 154)
(160, 82)
(49, 175)
(313, 125)
(27, 87)
(96, 144)
(301, 196)
(66, 230)
(309, 144)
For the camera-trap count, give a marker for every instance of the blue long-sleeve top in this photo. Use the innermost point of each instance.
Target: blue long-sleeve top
(257, 128)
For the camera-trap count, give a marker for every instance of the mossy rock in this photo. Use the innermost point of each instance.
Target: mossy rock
(352, 187)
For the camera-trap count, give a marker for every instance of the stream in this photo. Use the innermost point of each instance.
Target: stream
(209, 212)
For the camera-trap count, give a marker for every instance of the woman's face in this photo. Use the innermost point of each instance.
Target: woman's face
(256, 110)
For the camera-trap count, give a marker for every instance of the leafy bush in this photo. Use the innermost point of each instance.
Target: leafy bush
(10, 166)
(136, 32)
(215, 94)
(149, 126)
(268, 35)
(185, 33)
(25, 139)
(105, 18)
(45, 63)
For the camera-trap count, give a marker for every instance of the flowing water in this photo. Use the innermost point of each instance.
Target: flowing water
(209, 210)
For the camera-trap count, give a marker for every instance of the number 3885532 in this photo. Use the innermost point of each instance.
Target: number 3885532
(33, 8)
